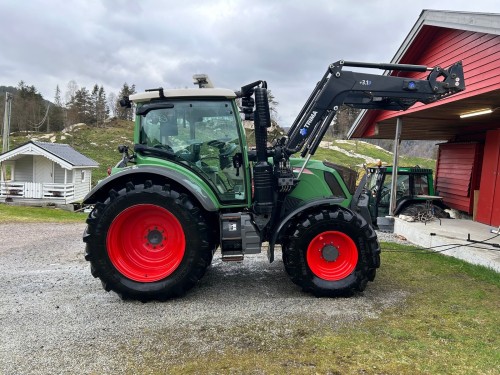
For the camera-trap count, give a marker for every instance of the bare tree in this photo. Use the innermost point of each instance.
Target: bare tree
(71, 113)
(111, 100)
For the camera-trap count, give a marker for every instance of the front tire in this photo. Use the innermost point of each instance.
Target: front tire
(147, 242)
(331, 252)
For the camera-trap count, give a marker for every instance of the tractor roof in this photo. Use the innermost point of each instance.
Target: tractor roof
(179, 93)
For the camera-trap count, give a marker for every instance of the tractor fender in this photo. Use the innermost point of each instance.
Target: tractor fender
(357, 193)
(404, 202)
(360, 200)
(325, 202)
(139, 174)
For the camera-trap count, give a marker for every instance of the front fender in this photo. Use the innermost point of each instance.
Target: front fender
(139, 174)
(325, 202)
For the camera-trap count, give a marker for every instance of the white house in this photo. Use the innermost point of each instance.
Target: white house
(45, 172)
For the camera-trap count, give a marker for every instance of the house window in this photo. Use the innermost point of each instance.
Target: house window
(84, 176)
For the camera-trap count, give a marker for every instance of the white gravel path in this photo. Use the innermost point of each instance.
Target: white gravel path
(55, 317)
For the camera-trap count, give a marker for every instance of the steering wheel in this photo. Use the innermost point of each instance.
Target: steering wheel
(399, 194)
(221, 144)
(385, 194)
(218, 144)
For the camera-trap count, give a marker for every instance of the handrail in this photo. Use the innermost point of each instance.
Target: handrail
(36, 190)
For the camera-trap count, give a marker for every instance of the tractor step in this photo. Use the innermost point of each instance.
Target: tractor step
(232, 256)
(239, 236)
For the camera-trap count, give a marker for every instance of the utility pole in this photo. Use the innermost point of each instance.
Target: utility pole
(6, 131)
(397, 141)
(6, 121)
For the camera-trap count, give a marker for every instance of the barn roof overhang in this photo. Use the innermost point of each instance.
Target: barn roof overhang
(436, 122)
(439, 120)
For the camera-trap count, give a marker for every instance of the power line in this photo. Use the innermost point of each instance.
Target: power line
(39, 125)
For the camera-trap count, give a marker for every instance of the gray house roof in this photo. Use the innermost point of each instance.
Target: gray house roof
(63, 154)
(67, 153)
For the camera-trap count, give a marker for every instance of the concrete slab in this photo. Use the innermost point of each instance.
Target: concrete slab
(450, 237)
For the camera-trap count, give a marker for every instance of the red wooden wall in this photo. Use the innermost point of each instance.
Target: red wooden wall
(488, 211)
(458, 174)
(480, 55)
(479, 52)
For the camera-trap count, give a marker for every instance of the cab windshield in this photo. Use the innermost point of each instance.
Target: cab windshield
(202, 134)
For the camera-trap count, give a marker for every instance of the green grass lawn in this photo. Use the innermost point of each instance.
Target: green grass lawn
(448, 324)
(370, 150)
(16, 214)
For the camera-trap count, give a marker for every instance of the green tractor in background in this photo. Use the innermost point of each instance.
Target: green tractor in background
(415, 194)
(192, 186)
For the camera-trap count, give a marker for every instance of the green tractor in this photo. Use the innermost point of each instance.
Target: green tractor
(415, 194)
(192, 186)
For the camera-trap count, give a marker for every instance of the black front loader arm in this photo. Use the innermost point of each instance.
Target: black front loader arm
(369, 91)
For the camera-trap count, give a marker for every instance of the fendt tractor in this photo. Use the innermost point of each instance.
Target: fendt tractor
(192, 185)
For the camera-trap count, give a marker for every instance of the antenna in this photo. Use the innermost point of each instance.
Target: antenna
(203, 81)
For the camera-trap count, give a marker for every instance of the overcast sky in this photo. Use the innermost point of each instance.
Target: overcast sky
(163, 43)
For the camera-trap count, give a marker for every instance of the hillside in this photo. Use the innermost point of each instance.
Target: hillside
(101, 145)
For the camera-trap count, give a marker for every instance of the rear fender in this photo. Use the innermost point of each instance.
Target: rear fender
(139, 174)
(309, 206)
(405, 202)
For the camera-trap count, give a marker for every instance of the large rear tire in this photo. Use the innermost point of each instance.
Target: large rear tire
(332, 252)
(147, 242)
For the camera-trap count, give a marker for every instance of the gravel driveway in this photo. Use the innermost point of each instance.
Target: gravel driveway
(56, 318)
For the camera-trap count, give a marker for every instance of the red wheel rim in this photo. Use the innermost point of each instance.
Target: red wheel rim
(341, 247)
(146, 243)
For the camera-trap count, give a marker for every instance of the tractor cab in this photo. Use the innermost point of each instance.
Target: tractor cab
(200, 131)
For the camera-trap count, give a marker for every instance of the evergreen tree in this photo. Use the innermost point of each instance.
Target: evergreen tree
(102, 107)
(343, 121)
(80, 106)
(57, 97)
(93, 106)
(28, 109)
(55, 121)
(120, 112)
(273, 103)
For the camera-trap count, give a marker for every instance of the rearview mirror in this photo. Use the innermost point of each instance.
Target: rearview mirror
(144, 109)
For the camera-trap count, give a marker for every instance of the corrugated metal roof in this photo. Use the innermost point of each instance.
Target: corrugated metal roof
(67, 153)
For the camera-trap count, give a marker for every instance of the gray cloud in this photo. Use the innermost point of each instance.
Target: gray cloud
(162, 43)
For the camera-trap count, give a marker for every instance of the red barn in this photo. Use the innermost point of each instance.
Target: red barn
(469, 161)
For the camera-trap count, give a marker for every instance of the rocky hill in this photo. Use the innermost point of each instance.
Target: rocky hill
(101, 145)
